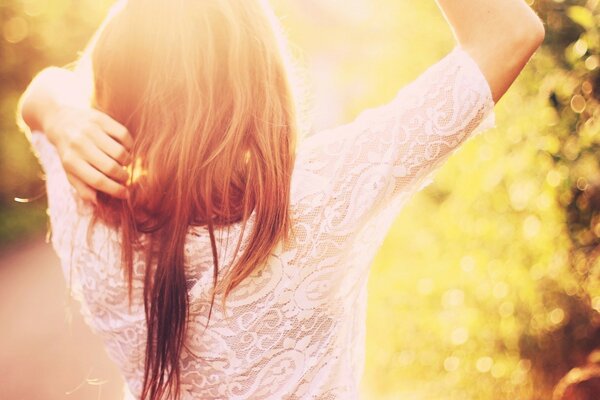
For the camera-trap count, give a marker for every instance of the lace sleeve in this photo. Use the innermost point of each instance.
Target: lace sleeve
(65, 207)
(388, 153)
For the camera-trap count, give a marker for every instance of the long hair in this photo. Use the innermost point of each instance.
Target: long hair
(203, 88)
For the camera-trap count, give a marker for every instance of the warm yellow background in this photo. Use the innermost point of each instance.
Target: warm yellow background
(486, 287)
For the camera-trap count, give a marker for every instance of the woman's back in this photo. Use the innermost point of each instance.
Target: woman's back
(295, 327)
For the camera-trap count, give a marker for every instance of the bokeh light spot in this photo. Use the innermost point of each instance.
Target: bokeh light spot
(459, 336)
(524, 365)
(592, 62)
(484, 364)
(557, 316)
(531, 226)
(578, 103)
(501, 290)
(453, 298)
(451, 363)
(582, 183)
(537, 271)
(554, 178)
(596, 303)
(587, 87)
(15, 30)
(467, 263)
(425, 286)
(520, 193)
(580, 47)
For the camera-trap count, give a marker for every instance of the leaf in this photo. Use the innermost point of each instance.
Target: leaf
(581, 16)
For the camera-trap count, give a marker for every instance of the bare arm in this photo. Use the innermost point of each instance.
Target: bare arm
(500, 35)
(52, 89)
(92, 146)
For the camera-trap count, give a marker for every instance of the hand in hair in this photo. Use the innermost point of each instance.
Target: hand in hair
(93, 149)
(92, 146)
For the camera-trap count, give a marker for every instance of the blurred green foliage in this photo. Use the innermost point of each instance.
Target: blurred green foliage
(33, 34)
(487, 286)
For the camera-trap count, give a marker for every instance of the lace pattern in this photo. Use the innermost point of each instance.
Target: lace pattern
(295, 328)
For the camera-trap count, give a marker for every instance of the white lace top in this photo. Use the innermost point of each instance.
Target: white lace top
(296, 327)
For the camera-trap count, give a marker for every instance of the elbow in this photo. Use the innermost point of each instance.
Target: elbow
(523, 43)
(23, 114)
(35, 101)
(26, 116)
(537, 33)
(531, 35)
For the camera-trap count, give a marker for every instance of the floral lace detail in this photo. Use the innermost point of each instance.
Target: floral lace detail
(295, 328)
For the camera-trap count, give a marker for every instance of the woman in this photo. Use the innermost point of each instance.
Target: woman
(193, 98)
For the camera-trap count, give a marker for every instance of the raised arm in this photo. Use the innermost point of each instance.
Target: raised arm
(500, 35)
(91, 145)
(52, 89)
(365, 171)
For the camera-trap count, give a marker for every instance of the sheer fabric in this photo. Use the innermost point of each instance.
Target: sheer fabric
(295, 328)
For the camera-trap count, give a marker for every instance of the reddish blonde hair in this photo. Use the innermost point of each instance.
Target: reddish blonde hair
(203, 88)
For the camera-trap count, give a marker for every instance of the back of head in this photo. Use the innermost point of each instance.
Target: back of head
(203, 88)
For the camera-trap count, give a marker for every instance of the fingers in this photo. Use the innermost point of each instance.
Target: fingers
(110, 146)
(114, 129)
(83, 190)
(104, 163)
(94, 178)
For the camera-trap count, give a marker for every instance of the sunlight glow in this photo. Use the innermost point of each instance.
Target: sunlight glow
(135, 171)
